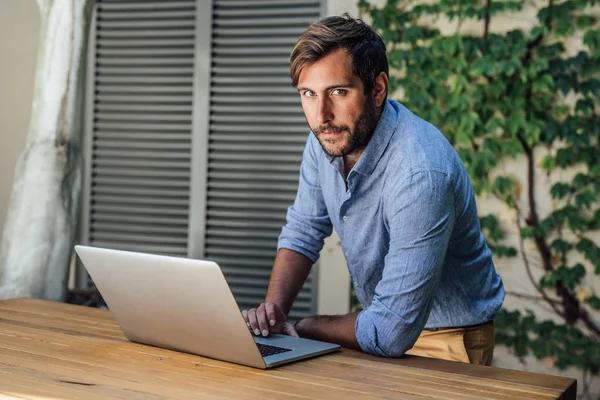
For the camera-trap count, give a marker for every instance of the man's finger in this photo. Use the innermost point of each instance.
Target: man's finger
(245, 315)
(271, 314)
(261, 316)
(288, 329)
(253, 322)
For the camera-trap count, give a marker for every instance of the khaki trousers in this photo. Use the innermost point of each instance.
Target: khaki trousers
(474, 344)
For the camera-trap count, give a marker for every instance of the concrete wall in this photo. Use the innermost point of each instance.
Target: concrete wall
(19, 30)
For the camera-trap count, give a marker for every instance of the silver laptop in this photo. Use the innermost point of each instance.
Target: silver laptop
(185, 305)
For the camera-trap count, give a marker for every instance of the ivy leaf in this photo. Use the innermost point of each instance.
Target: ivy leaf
(493, 124)
(560, 190)
(536, 32)
(572, 217)
(533, 131)
(551, 131)
(503, 251)
(493, 144)
(495, 89)
(560, 246)
(594, 222)
(458, 83)
(569, 277)
(590, 87)
(585, 199)
(563, 27)
(507, 189)
(584, 21)
(551, 51)
(528, 232)
(585, 106)
(547, 225)
(364, 5)
(464, 136)
(594, 302)
(592, 39)
(547, 164)
(549, 280)
(576, 222)
(565, 158)
(581, 180)
(572, 276)
(590, 251)
(514, 122)
(511, 148)
(564, 83)
(543, 83)
(491, 226)
(481, 163)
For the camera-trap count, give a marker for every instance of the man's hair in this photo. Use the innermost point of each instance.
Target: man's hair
(341, 32)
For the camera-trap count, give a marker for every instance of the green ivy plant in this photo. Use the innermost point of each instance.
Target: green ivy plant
(518, 94)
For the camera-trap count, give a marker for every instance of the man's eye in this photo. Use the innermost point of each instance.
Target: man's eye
(339, 92)
(308, 93)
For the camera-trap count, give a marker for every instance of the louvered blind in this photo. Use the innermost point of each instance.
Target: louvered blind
(141, 133)
(145, 124)
(257, 134)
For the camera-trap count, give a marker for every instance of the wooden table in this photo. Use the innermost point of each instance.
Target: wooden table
(52, 350)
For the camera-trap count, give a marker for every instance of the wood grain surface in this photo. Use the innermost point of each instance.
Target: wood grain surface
(52, 350)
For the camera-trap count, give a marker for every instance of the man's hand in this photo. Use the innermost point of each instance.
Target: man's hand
(268, 318)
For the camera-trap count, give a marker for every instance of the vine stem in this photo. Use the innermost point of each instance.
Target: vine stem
(486, 21)
(572, 310)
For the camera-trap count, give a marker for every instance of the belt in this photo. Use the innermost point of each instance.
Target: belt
(490, 322)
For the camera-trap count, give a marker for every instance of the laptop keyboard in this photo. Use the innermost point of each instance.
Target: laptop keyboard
(267, 350)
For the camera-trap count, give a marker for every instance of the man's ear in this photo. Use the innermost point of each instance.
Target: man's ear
(380, 89)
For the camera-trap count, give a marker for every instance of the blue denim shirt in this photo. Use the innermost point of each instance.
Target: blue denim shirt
(409, 230)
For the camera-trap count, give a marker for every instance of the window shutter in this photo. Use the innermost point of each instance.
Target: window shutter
(150, 124)
(256, 138)
(141, 112)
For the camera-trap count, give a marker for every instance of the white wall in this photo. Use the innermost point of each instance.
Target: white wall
(19, 30)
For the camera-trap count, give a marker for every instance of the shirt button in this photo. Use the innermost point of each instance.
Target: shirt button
(344, 218)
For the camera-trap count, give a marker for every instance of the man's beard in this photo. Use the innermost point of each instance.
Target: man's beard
(357, 139)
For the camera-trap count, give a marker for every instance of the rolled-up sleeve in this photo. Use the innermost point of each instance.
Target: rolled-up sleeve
(420, 218)
(307, 221)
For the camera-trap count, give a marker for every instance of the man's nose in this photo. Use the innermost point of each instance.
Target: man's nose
(323, 112)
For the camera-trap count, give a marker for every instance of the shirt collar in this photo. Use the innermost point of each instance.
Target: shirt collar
(381, 137)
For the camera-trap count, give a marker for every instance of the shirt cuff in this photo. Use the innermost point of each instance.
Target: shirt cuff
(381, 338)
(288, 244)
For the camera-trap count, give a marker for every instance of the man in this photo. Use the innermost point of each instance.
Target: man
(400, 199)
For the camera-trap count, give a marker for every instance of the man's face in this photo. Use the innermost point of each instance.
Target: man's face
(337, 110)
